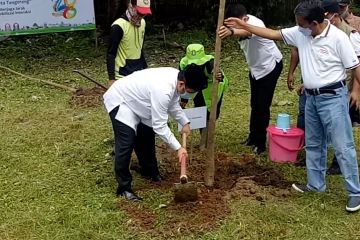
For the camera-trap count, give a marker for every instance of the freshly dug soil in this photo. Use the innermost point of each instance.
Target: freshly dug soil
(87, 97)
(236, 177)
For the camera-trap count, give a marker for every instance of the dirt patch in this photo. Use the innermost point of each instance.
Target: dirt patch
(179, 218)
(196, 217)
(261, 175)
(140, 216)
(87, 97)
(236, 177)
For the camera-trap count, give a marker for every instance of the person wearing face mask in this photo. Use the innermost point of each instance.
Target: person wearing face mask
(265, 64)
(332, 13)
(195, 55)
(347, 15)
(324, 56)
(139, 106)
(125, 51)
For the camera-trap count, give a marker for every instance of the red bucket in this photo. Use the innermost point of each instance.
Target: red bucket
(284, 146)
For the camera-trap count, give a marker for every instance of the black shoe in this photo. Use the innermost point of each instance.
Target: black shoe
(130, 196)
(258, 150)
(248, 142)
(302, 188)
(353, 204)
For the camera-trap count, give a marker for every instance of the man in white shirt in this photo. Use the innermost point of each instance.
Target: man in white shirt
(333, 10)
(332, 13)
(139, 106)
(325, 52)
(265, 64)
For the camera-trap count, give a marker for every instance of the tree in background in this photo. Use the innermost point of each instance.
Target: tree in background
(200, 12)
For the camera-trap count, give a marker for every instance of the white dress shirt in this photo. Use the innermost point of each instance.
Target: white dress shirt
(324, 58)
(261, 54)
(148, 96)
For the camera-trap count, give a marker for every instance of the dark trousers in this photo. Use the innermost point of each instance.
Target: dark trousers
(262, 92)
(301, 114)
(199, 101)
(143, 142)
(354, 114)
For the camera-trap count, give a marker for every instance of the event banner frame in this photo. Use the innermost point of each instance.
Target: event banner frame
(23, 17)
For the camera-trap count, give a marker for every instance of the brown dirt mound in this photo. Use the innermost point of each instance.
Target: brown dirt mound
(87, 97)
(236, 177)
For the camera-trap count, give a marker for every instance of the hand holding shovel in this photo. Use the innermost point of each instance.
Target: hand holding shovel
(184, 191)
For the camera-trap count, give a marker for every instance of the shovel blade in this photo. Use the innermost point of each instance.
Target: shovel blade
(185, 192)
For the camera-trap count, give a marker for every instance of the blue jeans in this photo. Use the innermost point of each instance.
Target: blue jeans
(327, 120)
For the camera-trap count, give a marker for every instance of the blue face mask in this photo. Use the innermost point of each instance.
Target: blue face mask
(187, 95)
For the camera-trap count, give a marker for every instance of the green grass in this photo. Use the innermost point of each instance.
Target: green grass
(56, 183)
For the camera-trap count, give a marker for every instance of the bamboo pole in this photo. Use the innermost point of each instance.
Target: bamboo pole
(210, 161)
(70, 89)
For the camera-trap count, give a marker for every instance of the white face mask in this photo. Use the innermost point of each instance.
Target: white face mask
(187, 95)
(305, 31)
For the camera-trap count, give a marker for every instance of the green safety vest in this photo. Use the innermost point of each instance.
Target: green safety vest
(130, 46)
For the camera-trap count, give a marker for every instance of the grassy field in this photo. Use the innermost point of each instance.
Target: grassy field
(57, 183)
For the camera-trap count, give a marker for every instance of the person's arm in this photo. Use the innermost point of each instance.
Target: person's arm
(259, 31)
(176, 112)
(349, 59)
(355, 89)
(354, 95)
(225, 32)
(355, 42)
(116, 34)
(209, 66)
(294, 61)
(160, 103)
(143, 59)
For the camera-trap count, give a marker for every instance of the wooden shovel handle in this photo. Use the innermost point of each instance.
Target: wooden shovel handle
(183, 162)
(184, 140)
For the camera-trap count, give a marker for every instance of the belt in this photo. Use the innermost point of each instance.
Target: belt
(327, 89)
